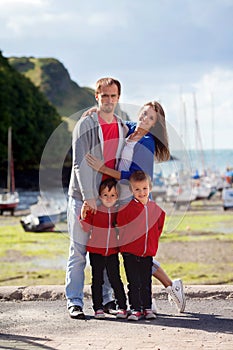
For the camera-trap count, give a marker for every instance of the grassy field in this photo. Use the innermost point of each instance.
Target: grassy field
(199, 250)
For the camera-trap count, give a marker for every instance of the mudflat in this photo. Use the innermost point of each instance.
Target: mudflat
(196, 246)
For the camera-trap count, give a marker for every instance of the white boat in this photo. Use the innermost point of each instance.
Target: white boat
(9, 198)
(8, 202)
(179, 189)
(203, 190)
(180, 195)
(227, 198)
(44, 215)
(159, 188)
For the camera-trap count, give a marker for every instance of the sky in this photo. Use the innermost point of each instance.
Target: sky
(179, 52)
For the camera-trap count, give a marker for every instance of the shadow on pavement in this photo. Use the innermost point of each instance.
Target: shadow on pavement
(187, 320)
(12, 341)
(197, 321)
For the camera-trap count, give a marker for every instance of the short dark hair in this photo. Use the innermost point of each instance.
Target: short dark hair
(109, 183)
(140, 175)
(107, 82)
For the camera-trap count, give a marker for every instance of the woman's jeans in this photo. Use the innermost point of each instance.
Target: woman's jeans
(77, 259)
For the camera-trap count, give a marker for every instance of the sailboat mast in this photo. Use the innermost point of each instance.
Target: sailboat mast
(183, 121)
(9, 161)
(12, 173)
(198, 134)
(212, 125)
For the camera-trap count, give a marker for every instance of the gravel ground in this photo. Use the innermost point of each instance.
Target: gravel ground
(206, 324)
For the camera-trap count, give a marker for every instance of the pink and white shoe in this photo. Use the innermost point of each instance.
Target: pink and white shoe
(99, 314)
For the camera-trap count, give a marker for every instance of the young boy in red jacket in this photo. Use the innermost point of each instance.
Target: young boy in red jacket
(103, 247)
(140, 224)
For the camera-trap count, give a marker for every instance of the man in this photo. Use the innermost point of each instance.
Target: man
(101, 135)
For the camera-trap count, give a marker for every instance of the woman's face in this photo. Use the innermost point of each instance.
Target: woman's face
(147, 118)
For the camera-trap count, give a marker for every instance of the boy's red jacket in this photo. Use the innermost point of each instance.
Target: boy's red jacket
(103, 237)
(140, 227)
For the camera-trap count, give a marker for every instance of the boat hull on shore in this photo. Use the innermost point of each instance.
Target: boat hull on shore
(44, 215)
(8, 202)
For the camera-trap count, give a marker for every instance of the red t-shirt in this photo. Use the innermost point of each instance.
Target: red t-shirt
(111, 138)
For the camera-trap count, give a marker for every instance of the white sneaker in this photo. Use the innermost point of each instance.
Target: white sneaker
(176, 294)
(154, 306)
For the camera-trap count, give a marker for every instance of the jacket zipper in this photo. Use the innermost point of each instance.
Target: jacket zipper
(109, 231)
(146, 239)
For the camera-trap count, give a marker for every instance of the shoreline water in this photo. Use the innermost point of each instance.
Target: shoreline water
(215, 160)
(205, 162)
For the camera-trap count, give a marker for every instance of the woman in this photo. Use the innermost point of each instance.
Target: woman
(147, 139)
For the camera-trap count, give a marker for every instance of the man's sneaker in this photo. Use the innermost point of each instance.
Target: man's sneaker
(76, 311)
(110, 308)
(149, 314)
(122, 314)
(176, 294)
(100, 314)
(135, 316)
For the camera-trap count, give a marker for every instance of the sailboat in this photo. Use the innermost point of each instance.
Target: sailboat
(203, 185)
(9, 198)
(44, 215)
(179, 185)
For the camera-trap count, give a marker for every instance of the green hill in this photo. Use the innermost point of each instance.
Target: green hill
(53, 80)
(29, 113)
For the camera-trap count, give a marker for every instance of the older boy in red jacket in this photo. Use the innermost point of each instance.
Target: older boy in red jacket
(140, 225)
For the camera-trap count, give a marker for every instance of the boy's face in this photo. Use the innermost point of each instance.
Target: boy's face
(109, 197)
(141, 190)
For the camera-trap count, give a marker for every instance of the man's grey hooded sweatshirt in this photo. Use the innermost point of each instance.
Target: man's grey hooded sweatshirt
(88, 138)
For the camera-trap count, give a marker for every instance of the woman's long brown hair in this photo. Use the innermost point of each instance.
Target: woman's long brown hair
(159, 131)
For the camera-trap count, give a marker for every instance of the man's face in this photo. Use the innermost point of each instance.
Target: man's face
(108, 98)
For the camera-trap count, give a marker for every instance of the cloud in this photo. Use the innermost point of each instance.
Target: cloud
(157, 49)
(213, 95)
(214, 109)
(17, 16)
(34, 18)
(15, 7)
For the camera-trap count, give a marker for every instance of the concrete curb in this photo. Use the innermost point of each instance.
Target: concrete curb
(55, 292)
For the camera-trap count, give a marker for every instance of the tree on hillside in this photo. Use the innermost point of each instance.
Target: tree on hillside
(28, 112)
